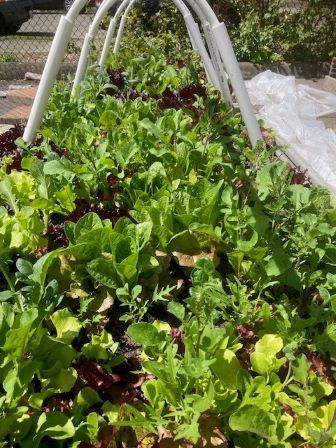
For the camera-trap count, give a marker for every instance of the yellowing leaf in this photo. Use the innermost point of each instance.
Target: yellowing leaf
(326, 414)
(264, 359)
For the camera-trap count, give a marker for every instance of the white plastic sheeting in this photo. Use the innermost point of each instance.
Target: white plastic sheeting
(292, 110)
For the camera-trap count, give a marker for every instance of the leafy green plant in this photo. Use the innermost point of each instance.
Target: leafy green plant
(8, 57)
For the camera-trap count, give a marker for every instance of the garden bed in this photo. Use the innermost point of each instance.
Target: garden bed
(162, 283)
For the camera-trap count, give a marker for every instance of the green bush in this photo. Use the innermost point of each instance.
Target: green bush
(262, 31)
(165, 30)
(271, 31)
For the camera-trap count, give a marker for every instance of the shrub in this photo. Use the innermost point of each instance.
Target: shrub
(275, 30)
(262, 31)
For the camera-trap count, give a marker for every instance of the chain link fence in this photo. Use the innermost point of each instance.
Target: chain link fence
(27, 49)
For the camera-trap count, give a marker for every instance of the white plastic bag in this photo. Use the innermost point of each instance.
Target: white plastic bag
(292, 111)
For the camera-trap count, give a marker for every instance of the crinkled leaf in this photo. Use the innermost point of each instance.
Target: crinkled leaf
(67, 326)
(104, 272)
(264, 358)
(100, 347)
(6, 191)
(251, 418)
(144, 334)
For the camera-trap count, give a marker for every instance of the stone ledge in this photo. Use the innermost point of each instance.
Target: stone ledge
(4, 128)
(18, 114)
(23, 96)
(17, 70)
(307, 70)
(330, 84)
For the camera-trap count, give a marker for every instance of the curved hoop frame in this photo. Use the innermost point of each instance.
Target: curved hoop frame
(222, 77)
(223, 59)
(212, 65)
(191, 26)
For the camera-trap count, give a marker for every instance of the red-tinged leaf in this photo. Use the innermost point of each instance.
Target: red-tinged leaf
(166, 440)
(89, 445)
(116, 78)
(300, 177)
(106, 435)
(141, 379)
(321, 368)
(60, 402)
(93, 375)
(246, 333)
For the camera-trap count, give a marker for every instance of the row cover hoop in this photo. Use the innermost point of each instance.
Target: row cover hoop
(222, 61)
(191, 26)
(214, 69)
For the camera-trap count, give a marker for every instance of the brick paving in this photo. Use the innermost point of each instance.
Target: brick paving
(16, 106)
(23, 96)
(18, 114)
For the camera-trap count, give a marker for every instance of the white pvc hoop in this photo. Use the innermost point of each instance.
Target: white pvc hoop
(62, 37)
(191, 26)
(214, 70)
(223, 85)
